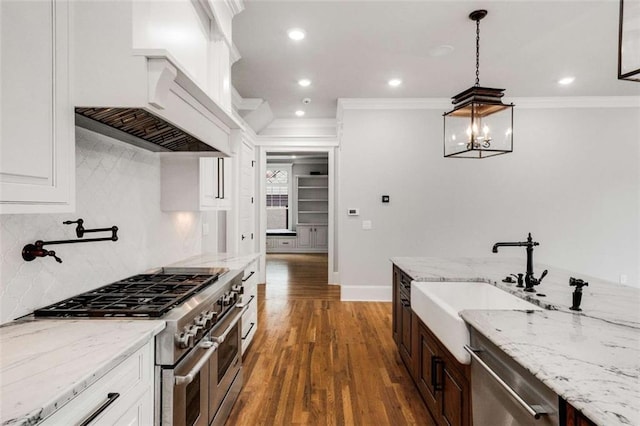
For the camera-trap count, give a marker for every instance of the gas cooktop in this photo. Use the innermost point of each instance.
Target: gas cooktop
(144, 295)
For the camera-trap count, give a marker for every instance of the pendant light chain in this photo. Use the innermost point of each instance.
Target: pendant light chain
(477, 52)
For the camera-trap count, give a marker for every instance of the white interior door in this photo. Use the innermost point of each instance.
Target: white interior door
(247, 199)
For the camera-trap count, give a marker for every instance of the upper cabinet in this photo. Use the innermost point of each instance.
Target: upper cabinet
(169, 59)
(37, 140)
(192, 183)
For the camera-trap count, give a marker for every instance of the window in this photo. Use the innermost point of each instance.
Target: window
(278, 191)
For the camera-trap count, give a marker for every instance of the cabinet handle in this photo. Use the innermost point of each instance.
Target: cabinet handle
(534, 410)
(222, 185)
(435, 361)
(248, 331)
(111, 397)
(248, 276)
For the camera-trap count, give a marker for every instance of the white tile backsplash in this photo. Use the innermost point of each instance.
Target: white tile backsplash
(117, 184)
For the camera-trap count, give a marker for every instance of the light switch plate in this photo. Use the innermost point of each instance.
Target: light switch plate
(366, 224)
(205, 229)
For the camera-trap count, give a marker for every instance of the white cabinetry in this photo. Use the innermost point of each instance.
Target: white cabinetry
(37, 141)
(125, 395)
(312, 238)
(192, 183)
(250, 298)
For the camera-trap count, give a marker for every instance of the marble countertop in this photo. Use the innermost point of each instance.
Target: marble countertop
(46, 363)
(590, 358)
(217, 260)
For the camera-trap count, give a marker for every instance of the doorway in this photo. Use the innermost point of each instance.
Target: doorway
(296, 213)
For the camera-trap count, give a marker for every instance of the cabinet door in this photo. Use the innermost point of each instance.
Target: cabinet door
(396, 307)
(37, 140)
(305, 236)
(455, 394)
(406, 332)
(321, 236)
(427, 366)
(246, 201)
(215, 183)
(208, 182)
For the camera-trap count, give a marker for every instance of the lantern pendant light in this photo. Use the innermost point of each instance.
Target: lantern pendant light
(479, 125)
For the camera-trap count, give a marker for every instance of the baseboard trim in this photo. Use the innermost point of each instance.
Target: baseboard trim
(365, 293)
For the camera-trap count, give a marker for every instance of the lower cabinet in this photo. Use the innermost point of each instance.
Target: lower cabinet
(280, 244)
(125, 395)
(312, 237)
(569, 416)
(250, 299)
(443, 382)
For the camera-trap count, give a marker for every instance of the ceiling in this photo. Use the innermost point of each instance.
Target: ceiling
(352, 48)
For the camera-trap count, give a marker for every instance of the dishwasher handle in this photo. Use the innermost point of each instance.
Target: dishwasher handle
(536, 411)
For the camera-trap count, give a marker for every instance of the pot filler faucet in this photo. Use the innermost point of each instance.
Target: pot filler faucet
(529, 279)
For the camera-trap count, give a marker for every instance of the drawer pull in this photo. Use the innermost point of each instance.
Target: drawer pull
(534, 410)
(248, 276)
(111, 398)
(248, 331)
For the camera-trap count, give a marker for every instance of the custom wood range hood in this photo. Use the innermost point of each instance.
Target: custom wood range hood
(131, 83)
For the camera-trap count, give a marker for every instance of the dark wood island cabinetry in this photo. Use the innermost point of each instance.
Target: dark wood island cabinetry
(442, 381)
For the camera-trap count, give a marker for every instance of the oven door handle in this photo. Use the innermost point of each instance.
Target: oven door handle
(219, 339)
(188, 378)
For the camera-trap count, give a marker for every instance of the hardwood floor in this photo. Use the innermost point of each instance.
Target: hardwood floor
(318, 361)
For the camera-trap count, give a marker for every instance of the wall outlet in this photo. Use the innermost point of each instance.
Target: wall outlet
(366, 224)
(623, 278)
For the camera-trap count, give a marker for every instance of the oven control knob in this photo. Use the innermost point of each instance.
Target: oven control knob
(213, 316)
(226, 299)
(195, 331)
(185, 340)
(238, 289)
(203, 321)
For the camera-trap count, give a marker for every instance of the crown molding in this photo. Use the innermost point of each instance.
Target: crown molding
(577, 102)
(302, 123)
(444, 104)
(297, 141)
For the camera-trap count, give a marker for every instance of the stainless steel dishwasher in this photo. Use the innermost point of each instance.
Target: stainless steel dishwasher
(503, 393)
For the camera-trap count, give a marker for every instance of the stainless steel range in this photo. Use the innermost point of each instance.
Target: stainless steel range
(198, 359)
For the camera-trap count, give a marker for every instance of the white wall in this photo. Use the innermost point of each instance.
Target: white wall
(117, 184)
(572, 181)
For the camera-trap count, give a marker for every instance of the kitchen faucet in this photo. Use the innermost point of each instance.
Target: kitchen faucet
(529, 279)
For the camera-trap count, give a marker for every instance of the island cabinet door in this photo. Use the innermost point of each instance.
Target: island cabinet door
(442, 381)
(426, 369)
(396, 307)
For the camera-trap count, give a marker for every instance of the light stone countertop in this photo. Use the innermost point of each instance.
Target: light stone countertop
(217, 260)
(46, 363)
(591, 358)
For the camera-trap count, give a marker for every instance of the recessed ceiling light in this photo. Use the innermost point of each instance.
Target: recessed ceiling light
(566, 81)
(442, 50)
(304, 82)
(299, 113)
(296, 34)
(395, 82)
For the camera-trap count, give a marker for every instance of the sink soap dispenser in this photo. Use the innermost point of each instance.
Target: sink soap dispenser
(577, 293)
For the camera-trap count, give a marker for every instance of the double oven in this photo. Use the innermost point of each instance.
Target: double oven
(198, 357)
(200, 389)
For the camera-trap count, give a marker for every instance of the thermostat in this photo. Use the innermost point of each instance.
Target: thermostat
(353, 212)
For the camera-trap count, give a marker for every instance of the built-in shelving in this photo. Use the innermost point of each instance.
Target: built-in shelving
(312, 200)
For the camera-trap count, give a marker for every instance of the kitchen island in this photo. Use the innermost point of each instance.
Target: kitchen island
(590, 358)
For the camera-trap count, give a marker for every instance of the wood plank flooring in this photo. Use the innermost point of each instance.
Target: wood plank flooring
(318, 361)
